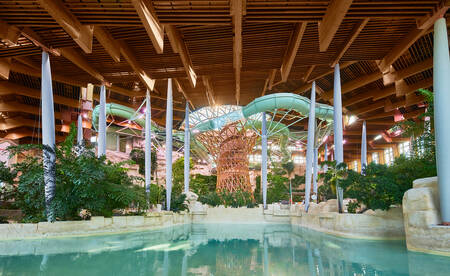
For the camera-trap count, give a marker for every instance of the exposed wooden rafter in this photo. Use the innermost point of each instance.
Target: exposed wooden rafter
(292, 49)
(179, 46)
(5, 67)
(237, 12)
(108, 42)
(328, 27)
(151, 23)
(76, 58)
(209, 90)
(81, 34)
(359, 26)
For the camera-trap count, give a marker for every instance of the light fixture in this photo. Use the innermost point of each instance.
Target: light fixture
(93, 139)
(378, 137)
(352, 119)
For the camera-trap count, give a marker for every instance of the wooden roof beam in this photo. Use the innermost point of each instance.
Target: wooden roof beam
(408, 71)
(359, 26)
(9, 34)
(403, 89)
(130, 57)
(7, 88)
(24, 108)
(5, 67)
(427, 21)
(237, 11)
(354, 84)
(108, 42)
(151, 23)
(292, 49)
(179, 46)
(181, 89)
(76, 58)
(209, 90)
(410, 99)
(328, 27)
(81, 34)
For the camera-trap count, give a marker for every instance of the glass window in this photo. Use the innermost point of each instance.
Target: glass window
(375, 158)
(388, 156)
(299, 159)
(404, 148)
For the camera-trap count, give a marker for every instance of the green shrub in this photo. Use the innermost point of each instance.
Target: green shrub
(82, 182)
(211, 199)
(138, 156)
(203, 184)
(157, 194)
(352, 206)
(278, 188)
(177, 203)
(178, 175)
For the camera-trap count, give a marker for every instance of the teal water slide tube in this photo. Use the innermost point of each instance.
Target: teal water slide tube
(288, 101)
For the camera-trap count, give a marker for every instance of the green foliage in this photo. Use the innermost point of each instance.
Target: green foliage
(138, 156)
(334, 175)
(352, 206)
(177, 203)
(235, 200)
(203, 184)
(82, 182)
(211, 198)
(298, 180)
(157, 194)
(3, 220)
(278, 188)
(288, 167)
(178, 175)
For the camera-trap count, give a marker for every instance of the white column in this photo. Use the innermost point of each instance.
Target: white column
(187, 149)
(325, 157)
(316, 170)
(441, 85)
(338, 135)
(101, 140)
(264, 159)
(80, 130)
(363, 148)
(310, 145)
(48, 135)
(169, 125)
(148, 146)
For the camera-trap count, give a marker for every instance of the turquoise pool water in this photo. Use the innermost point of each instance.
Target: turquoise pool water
(216, 249)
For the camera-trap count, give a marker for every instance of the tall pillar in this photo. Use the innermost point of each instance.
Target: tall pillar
(264, 159)
(325, 157)
(169, 125)
(363, 148)
(315, 173)
(101, 140)
(148, 146)
(187, 149)
(310, 145)
(80, 130)
(338, 133)
(48, 136)
(441, 85)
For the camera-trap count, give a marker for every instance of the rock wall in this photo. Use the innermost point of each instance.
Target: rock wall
(422, 218)
(323, 217)
(97, 225)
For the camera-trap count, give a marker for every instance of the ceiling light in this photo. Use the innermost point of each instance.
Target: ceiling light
(378, 137)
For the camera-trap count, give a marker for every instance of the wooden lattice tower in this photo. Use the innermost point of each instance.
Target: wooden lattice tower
(229, 148)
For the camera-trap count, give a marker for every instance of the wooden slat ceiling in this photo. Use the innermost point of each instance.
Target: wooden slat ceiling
(207, 30)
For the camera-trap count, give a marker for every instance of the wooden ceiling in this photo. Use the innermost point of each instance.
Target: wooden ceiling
(220, 52)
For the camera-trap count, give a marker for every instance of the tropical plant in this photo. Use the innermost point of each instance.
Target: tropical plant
(82, 182)
(178, 175)
(138, 156)
(203, 184)
(335, 175)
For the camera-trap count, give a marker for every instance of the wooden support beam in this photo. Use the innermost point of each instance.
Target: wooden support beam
(81, 34)
(76, 58)
(410, 99)
(181, 89)
(237, 11)
(209, 90)
(354, 84)
(372, 94)
(368, 108)
(359, 26)
(378, 115)
(24, 108)
(108, 42)
(9, 34)
(427, 21)
(179, 46)
(132, 60)
(358, 132)
(403, 89)
(266, 83)
(328, 27)
(272, 75)
(308, 73)
(7, 88)
(292, 49)
(408, 71)
(151, 23)
(22, 133)
(5, 67)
